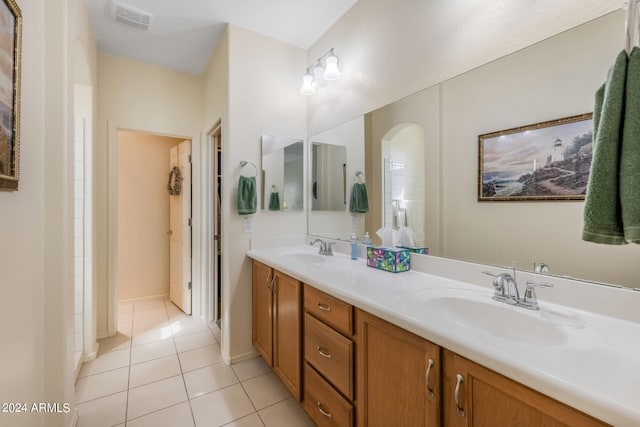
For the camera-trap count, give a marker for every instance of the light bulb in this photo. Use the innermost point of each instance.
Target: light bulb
(318, 78)
(331, 71)
(307, 87)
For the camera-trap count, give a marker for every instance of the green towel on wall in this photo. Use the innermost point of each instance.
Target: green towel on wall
(602, 211)
(247, 195)
(630, 155)
(359, 200)
(274, 201)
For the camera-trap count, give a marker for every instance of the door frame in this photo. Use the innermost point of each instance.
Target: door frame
(112, 222)
(209, 263)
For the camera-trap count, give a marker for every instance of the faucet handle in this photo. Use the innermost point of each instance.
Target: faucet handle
(530, 299)
(330, 248)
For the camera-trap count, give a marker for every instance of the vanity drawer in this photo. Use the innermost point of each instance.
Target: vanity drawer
(330, 310)
(330, 353)
(324, 405)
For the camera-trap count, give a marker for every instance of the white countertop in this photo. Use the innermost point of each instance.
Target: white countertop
(593, 365)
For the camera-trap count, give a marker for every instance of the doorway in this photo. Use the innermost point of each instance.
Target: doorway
(145, 234)
(213, 220)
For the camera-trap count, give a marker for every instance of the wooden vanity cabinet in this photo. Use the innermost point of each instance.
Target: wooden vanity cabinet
(486, 398)
(398, 376)
(329, 352)
(277, 320)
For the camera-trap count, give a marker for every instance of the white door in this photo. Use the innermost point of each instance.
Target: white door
(180, 230)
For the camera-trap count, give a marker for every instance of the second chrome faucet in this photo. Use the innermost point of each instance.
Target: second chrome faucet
(506, 290)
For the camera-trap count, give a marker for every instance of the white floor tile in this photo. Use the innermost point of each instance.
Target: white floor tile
(152, 351)
(99, 385)
(285, 414)
(252, 420)
(174, 416)
(221, 407)
(154, 370)
(195, 340)
(148, 303)
(105, 411)
(151, 313)
(250, 368)
(147, 324)
(155, 396)
(208, 379)
(188, 326)
(200, 357)
(117, 342)
(152, 335)
(265, 390)
(106, 362)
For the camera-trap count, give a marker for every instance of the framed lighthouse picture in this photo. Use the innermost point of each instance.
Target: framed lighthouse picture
(544, 161)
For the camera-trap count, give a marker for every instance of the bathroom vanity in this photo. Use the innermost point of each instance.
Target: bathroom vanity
(370, 348)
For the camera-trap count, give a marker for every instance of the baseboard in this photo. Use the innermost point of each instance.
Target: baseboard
(144, 298)
(242, 357)
(75, 418)
(88, 357)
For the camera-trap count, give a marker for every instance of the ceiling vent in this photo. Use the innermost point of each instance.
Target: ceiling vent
(130, 16)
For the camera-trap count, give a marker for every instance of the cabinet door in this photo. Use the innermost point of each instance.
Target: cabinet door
(398, 376)
(287, 321)
(262, 334)
(486, 398)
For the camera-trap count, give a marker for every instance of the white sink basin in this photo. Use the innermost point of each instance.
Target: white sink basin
(481, 313)
(305, 258)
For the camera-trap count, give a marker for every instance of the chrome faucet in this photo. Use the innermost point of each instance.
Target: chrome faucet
(540, 267)
(326, 248)
(506, 290)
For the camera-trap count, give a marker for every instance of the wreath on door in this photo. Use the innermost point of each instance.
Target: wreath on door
(175, 181)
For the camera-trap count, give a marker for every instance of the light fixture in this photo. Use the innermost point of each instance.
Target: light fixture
(323, 70)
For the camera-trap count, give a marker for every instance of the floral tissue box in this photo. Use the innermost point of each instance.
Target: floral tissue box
(394, 260)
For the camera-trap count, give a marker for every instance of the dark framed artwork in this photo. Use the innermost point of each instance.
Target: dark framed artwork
(10, 63)
(544, 161)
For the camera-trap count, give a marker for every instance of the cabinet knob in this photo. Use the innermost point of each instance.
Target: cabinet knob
(324, 307)
(428, 378)
(323, 412)
(323, 352)
(459, 408)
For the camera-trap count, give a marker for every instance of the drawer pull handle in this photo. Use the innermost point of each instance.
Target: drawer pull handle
(459, 408)
(428, 378)
(323, 412)
(324, 307)
(323, 353)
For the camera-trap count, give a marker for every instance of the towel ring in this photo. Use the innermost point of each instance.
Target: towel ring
(360, 177)
(244, 163)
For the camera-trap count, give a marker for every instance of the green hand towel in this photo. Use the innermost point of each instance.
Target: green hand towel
(247, 195)
(359, 200)
(274, 201)
(602, 212)
(630, 155)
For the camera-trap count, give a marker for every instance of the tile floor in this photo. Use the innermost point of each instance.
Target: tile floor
(164, 368)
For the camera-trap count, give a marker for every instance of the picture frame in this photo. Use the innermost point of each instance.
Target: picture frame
(10, 74)
(544, 161)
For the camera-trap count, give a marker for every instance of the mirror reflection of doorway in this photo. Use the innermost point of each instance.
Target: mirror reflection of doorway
(404, 179)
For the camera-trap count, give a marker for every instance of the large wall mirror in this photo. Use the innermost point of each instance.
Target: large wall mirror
(537, 84)
(282, 173)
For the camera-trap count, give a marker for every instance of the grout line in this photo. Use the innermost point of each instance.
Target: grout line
(186, 391)
(157, 410)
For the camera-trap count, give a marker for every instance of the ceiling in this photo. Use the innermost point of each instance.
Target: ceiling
(184, 33)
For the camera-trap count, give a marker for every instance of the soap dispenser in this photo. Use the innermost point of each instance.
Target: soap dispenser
(366, 240)
(354, 246)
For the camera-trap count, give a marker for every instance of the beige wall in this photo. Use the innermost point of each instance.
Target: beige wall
(141, 97)
(36, 313)
(385, 54)
(143, 214)
(264, 98)
(554, 79)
